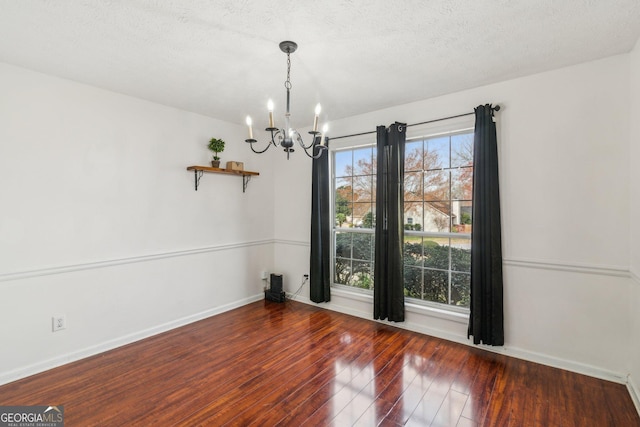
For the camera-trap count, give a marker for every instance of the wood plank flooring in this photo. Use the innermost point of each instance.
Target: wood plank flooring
(270, 364)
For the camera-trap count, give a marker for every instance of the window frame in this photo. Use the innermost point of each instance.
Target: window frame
(365, 143)
(460, 126)
(438, 234)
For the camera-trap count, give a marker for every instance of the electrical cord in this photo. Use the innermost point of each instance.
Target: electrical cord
(291, 297)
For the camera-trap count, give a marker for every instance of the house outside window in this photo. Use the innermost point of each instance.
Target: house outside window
(437, 218)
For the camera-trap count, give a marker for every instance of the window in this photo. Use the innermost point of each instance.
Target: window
(437, 211)
(354, 216)
(437, 196)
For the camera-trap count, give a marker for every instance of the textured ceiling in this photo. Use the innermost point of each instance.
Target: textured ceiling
(221, 58)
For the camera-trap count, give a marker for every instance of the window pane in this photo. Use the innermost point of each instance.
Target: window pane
(363, 188)
(369, 218)
(359, 212)
(413, 216)
(413, 253)
(436, 153)
(436, 253)
(343, 245)
(462, 184)
(413, 186)
(342, 271)
(462, 150)
(413, 156)
(436, 217)
(413, 281)
(363, 161)
(364, 215)
(345, 219)
(344, 189)
(343, 163)
(460, 285)
(461, 216)
(436, 185)
(363, 246)
(461, 255)
(343, 201)
(436, 286)
(361, 275)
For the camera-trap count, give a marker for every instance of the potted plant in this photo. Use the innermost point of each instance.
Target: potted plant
(217, 146)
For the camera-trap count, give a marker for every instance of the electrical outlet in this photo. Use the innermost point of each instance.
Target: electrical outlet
(264, 275)
(305, 278)
(59, 322)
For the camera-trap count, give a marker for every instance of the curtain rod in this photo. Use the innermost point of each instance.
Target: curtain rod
(496, 108)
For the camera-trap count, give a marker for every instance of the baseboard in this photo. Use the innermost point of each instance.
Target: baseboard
(567, 365)
(632, 385)
(529, 356)
(634, 392)
(45, 365)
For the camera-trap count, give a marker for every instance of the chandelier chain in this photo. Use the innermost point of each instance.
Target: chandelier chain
(287, 84)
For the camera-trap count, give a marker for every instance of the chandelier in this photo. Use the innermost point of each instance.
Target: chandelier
(285, 136)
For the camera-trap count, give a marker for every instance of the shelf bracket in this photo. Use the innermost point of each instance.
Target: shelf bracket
(197, 175)
(245, 182)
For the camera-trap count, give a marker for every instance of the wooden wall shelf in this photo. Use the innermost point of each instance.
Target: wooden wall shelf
(198, 171)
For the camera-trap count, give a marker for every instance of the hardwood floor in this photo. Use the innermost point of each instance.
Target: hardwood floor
(270, 364)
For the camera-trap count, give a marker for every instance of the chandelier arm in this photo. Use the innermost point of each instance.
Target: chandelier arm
(274, 134)
(301, 141)
(321, 150)
(259, 151)
(306, 147)
(315, 142)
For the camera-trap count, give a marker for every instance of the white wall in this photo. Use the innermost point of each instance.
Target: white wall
(563, 141)
(634, 161)
(99, 220)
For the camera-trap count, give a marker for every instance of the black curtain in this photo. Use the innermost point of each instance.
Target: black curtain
(486, 319)
(388, 289)
(319, 271)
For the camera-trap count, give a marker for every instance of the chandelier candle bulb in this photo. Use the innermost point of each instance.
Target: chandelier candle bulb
(250, 129)
(270, 108)
(315, 118)
(325, 128)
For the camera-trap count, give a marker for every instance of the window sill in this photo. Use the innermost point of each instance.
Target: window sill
(423, 310)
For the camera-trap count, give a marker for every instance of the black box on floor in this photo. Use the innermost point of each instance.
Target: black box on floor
(269, 295)
(276, 283)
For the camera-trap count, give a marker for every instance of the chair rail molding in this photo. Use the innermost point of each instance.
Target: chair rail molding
(46, 271)
(605, 270)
